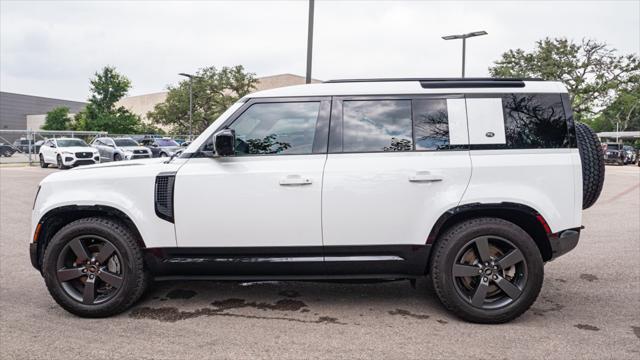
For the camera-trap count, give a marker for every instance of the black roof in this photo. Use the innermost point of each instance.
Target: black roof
(448, 82)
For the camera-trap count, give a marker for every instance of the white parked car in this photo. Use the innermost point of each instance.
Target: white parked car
(116, 149)
(477, 182)
(67, 152)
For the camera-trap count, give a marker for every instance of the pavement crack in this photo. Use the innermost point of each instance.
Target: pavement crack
(406, 313)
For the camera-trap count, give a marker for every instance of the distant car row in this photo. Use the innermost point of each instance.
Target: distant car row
(71, 152)
(615, 153)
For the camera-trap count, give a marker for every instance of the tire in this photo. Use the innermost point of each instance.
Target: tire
(592, 159)
(43, 164)
(162, 154)
(117, 157)
(523, 279)
(60, 163)
(72, 294)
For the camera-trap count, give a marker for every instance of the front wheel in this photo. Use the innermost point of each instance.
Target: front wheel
(487, 270)
(93, 267)
(162, 154)
(60, 163)
(43, 164)
(117, 157)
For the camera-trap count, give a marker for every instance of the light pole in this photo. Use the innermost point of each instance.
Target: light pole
(464, 42)
(190, 103)
(309, 41)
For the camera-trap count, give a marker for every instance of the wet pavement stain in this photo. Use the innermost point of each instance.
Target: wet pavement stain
(588, 277)
(405, 313)
(280, 305)
(561, 280)
(172, 314)
(587, 327)
(541, 311)
(181, 294)
(636, 331)
(289, 293)
(443, 322)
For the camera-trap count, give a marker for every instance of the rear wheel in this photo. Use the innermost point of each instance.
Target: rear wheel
(43, 164)
(487, 270)
(93, 267)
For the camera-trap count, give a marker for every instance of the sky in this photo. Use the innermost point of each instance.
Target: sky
(52, 48)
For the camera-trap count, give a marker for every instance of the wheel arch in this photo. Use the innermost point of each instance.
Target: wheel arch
(529, 219)
(52, 221)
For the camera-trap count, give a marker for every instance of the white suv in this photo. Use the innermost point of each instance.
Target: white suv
(477, 182)
(67, 152)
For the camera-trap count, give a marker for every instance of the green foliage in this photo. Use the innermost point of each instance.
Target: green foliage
(57, 119)
(101, 114)
(591, 71)
(213, 92)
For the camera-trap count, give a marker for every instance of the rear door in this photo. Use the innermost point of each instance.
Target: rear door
(395, 165)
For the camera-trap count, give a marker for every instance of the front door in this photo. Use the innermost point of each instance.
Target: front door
(394, 166)
(258, 212)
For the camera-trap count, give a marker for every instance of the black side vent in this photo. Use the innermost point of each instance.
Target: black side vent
(164, 195)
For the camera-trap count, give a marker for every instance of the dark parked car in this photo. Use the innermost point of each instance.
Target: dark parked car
(22, 145)
(161, 147)
(614, 153)
(6, 150)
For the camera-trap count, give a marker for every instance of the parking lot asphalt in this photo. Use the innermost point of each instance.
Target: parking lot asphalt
(589, 306)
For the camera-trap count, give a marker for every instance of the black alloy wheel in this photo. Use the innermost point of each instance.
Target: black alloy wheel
(42, 163)
(60, 163)
(490, 272)
(90, 269)
(117, 157)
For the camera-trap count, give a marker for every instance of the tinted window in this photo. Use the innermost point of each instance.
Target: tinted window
(534, 121)
(125, 142)
(430, 124)
(276, 128)
(71, 142)
(377, 125)
(166, 142)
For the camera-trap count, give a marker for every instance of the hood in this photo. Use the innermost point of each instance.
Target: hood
(131, 148)
(171, 148)
(113, 164)
(75, 149)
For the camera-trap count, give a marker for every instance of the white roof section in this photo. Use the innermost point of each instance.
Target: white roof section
(401, 87)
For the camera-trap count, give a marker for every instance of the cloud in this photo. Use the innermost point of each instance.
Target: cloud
(52, 48)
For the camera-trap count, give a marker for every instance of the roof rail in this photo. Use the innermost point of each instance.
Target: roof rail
(430, 83)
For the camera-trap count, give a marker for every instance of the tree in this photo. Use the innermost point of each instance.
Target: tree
(622, 114)
(213, 92)
(101, 113)
(591, 71)
(57, 119)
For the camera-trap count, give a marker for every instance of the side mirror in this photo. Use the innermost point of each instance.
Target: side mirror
(224, 142)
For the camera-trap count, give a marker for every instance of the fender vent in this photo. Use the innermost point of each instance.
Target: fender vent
(164, 195)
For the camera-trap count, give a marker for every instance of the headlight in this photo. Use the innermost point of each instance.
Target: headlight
(67, 153)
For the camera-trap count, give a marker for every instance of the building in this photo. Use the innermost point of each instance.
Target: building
(15, 108)
(142, 104)
(21, 112)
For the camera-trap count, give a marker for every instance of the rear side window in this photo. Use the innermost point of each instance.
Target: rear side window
(534, 121)
(276, 128)
(430, 124)
(377, 125)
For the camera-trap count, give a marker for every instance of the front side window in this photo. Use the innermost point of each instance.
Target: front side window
(276, 128)
(377, 125)
(164, 142)
(430, 124)
(534, 121)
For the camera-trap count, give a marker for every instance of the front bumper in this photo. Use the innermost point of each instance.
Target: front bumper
(563, 242)
(72, 160)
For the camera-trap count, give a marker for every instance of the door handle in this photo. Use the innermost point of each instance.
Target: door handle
(425, 176)
(295, 180)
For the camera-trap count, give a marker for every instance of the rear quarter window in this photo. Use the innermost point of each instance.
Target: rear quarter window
(534, 121)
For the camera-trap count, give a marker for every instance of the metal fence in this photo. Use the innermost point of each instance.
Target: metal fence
(22, 146)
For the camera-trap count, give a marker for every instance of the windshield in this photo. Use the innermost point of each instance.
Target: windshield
(613, 147)
(166, 142)
(70, 142)
(125, 142)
